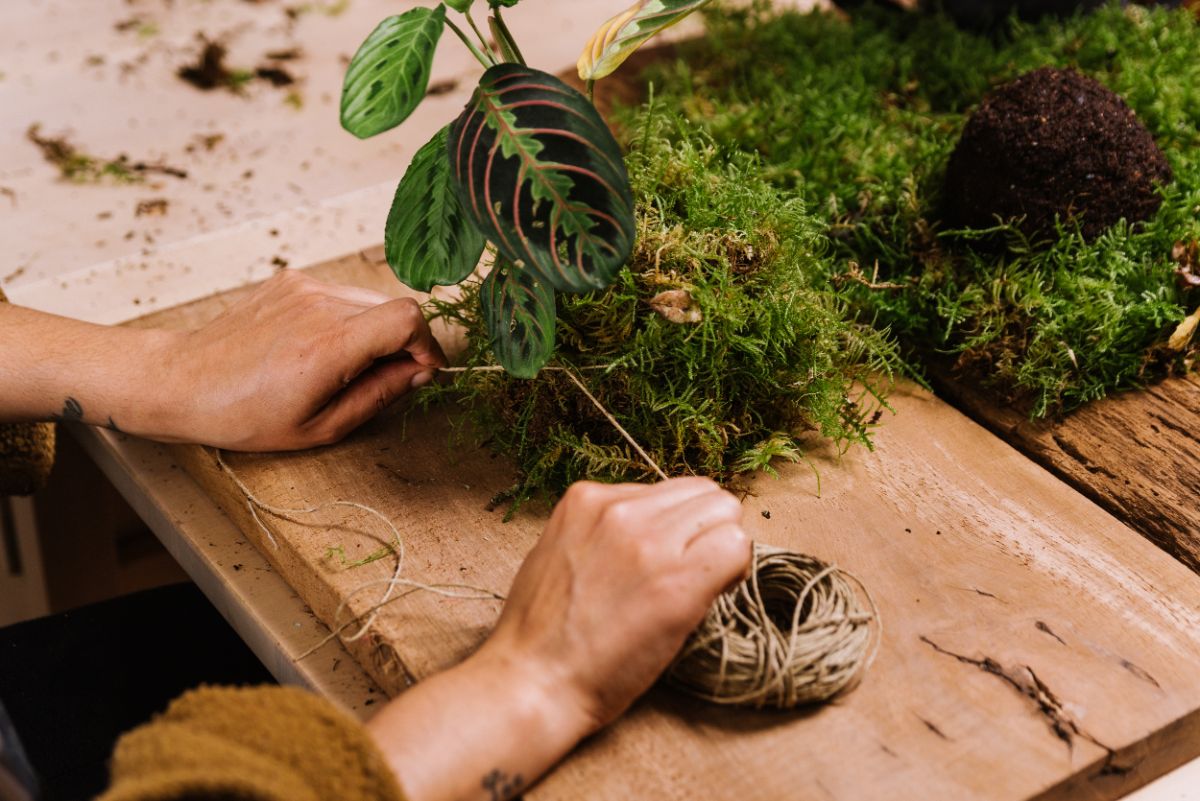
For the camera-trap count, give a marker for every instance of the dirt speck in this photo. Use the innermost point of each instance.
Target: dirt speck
(154, 207)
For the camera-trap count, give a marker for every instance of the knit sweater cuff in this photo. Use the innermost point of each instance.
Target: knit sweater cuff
(256, 744)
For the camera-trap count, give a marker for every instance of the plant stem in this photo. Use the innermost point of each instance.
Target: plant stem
(507, 36)
(591, 91)
(487, 61)
(482, 40)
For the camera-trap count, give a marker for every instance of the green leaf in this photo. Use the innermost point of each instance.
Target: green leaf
(429, 239)
(542, 176)
(619, 37)
(460, 6)
(519, 312)
(389, 75)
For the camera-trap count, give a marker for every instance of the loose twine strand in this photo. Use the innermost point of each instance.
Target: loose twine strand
(792, 633)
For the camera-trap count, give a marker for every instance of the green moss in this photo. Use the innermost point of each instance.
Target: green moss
(775, 357)
(859, 118)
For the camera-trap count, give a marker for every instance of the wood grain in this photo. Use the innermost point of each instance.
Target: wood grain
(1034, 647)
(1137, 454)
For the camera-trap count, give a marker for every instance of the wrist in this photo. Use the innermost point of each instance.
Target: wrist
(545, 701)
(129, 382)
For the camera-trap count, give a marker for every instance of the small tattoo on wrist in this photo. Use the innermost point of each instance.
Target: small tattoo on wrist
(72, 412)
(502, 786)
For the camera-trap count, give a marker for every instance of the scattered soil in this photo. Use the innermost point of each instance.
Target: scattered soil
(154, 207)
(1054, 143)
(79, 167)
(442, 87)
(210, 72)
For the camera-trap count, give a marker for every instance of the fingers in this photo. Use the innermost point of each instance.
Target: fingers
(369, 394)
(359, 296)
(639, 508)
(392, 327)
(682, 522)
(720, 556)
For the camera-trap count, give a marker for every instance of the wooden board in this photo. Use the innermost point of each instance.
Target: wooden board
(1137, 454)
(1034, 647)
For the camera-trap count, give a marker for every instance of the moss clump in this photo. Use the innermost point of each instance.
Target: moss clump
(859, 118)
(764, 353)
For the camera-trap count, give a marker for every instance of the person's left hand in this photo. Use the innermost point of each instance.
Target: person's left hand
(296, 364)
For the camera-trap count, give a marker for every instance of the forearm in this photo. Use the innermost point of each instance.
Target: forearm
(486, 729)
(56, 368)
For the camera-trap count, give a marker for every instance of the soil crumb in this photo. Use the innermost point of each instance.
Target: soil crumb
(78, 167)
(153, 207)
(210, 71)
(1054, 144)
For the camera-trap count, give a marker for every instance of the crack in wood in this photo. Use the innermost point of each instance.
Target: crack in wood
(1041, 626)
(1026, 682)
(1140, 673)
(1183, 431)
(933, 727)
(1071, 450)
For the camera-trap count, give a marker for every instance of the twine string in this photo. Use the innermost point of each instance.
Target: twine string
(752, 650)
(396, 544)
(792, 633)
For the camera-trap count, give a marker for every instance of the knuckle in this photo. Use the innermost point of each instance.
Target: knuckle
(727, 506)
(410, 310)
(619, 516)
(584, 494)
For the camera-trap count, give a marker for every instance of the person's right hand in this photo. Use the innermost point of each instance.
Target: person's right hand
(621, 576)
(602, 604)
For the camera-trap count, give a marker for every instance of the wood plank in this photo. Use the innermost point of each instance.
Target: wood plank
(233, 574)
(989, 572)
(1137, 454)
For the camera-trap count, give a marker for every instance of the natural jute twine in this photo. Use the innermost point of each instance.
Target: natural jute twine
(794, 632)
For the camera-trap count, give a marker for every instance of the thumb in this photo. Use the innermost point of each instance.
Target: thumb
(374, 390)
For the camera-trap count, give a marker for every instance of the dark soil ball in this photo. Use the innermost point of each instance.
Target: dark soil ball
(1054, 143)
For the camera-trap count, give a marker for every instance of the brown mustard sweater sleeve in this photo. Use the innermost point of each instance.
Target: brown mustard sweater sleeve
(250, 744)
(26, 454)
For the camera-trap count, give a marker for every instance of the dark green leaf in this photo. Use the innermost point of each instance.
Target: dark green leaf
(543, 177)
(519, 312)
(429, 239)
(460, 6)
(388, 76)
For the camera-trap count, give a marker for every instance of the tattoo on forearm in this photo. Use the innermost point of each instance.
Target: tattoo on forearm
(502, 786)
(72, 412)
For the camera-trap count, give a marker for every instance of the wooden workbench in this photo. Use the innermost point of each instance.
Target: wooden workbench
(284, 184)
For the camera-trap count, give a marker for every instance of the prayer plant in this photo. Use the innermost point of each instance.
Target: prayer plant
(528, 170)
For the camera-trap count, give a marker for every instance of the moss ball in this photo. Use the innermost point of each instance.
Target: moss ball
(1054, 144)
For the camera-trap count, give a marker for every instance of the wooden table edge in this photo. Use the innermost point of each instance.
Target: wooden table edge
(255, 600)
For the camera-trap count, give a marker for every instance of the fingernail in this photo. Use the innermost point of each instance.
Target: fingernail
(421, 379)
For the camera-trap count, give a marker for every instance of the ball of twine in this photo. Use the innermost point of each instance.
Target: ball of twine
(794, 632)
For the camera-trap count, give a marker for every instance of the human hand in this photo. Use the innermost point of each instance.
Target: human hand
(619, 579)
(602, 604)
(296, 364)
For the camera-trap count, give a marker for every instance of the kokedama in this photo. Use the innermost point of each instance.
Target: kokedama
(859, 117)
(1054, 146)
(719, 348)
